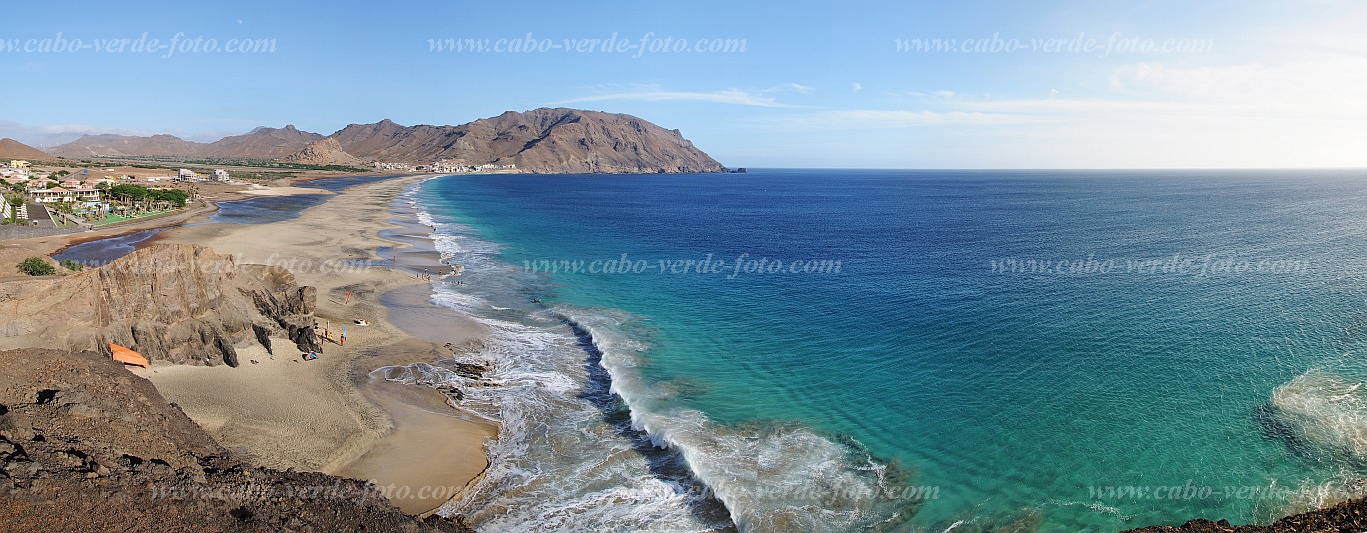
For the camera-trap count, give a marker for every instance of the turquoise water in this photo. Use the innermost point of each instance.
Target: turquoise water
(1204, 335)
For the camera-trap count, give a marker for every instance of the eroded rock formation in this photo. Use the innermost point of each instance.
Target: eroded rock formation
(179, 303)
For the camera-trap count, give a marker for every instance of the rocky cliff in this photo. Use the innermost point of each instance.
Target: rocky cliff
(178, 303)
(324, 152)
(87, 446)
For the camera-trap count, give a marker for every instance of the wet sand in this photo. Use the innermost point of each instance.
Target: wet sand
(329, 414)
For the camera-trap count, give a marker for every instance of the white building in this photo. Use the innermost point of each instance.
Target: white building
(14, 174)
(401, 167)
(86, 193)
(53, 195)
(220, 176)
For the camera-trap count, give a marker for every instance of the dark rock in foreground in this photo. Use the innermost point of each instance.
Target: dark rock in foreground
(1349, 516)
(87, 446)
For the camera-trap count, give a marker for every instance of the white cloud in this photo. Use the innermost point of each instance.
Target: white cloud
(802, 89)
(940, 95)
(727, 96)
(55, 134)
(1281, 94)
(1329, 85)
(1302, 111)
(856, 87)
(861, 119)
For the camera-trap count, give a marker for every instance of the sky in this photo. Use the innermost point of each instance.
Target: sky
(1100, 84)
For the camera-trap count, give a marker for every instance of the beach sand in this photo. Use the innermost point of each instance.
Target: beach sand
(257, 189)
(328, 414)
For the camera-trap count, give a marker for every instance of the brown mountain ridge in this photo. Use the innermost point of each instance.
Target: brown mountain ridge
(12, 149)
(260, 143)
(545, 140)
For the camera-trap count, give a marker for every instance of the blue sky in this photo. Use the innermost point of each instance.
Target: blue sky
(1224, 84)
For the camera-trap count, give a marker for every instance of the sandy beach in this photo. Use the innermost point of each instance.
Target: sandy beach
(194, 212)
(328, 414)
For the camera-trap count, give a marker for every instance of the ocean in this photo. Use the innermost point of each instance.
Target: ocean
(841, 350)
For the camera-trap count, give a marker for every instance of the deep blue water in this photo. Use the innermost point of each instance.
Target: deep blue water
(1204, 336)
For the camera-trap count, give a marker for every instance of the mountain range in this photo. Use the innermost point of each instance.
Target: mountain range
(545, 140)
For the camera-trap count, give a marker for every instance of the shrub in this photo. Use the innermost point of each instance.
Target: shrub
(36, 266)
(71, 265)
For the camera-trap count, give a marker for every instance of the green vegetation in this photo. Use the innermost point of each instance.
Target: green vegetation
(113, 162)
(36, 266)
(84, 163)
(205, 166)
(263, 175)
(184, 162)
(149, 198)
(243, 162)
(71, 265)
(111, 218)
(14, 200)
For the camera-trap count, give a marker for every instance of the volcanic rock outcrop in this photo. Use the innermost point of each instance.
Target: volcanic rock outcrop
(179, 303)
(87, 446)
(323, 152)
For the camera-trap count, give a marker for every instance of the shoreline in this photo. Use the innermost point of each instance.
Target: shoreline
(330, 414)
(409, 440)
(55, 244)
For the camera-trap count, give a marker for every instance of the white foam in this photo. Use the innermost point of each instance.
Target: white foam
(771, 479)
(556, 466)
(1326, 411)
(560, 463)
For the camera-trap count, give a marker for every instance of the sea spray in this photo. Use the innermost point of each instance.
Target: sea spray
(1322, 416)
(1326, 411)
(572, 457)
(772, 477)
(1006, 391)
(561, 461)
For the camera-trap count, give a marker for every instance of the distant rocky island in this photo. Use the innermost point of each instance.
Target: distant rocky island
(545, 140)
